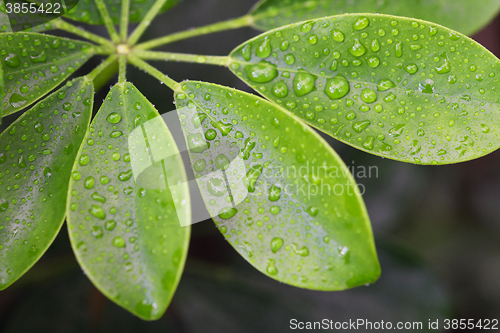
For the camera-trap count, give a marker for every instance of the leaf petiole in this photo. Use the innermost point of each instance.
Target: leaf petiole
(92, 75)
(239, 22)
(108, 22)
(141, 64)
(63, 25)
(183, 57)
(146, 21)
(124, 20)
(122, 64)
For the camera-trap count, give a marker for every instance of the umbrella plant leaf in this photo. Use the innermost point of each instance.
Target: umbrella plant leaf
(465, 16)
(86, 11)
(276, 190)
(33, 64)
(128, 196)
(37, 154)
(399, 88)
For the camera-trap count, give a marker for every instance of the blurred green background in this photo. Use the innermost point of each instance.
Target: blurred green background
(436, 229)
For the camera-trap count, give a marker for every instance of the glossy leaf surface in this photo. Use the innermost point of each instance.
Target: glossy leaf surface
(462, 15)
(33, 64)
(260, 171)
(122, 215)
(86, 11)
(37, 155)
(394, 87)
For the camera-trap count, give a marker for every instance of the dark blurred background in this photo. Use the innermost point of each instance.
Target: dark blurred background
(436, 229)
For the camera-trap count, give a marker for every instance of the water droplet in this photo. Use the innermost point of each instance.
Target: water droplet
(399, 49)
(16, 100)
(368, 95)
(375, 45)
(271, 268)
(411, 68)
(227, 213)
(114, 118)
(360, 125)
(125, 175)
(373, 62)
(427, 87)
(385, 84)
(200, 165)
(84, 159)
(246, 52)
(24, 88)
(262, 72)
(89, 182)
(12, 60)
(264, 49)
(312, 210)
(357, 49)
(274, 193)
(280, 90)
(222, 162)
(41, 57)
(337, 87)
(274, 210)
(361, 23)
(216, 187)
(445, 67)
(276, 244)
(97, 211)
(249, 145)
(290, 59)
(338, 36)
(97, 232)
(251, 177)
(485, 128)
(118, 242)
(303, 83)
(304, 251)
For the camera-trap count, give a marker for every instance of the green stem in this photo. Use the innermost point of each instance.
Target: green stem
(63, 25)
(184, 57)
(92, 75)
(124, 20)
(239, 22)
(103, 77)
(122, 64)
(146, 21)
(153, 71)
(108, 22)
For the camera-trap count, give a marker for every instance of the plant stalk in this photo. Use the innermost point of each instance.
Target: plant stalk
(124, 20)
(146, 21)
(122, 65)
(108, 22)
(141, 64)
(184, 57)
(92, 75)
(239, 22)
(63, 25)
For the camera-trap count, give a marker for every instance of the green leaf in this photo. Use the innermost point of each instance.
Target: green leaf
(33, 64)
(394, 87)
(86, 10)
(122, 215)
(465, 16)
(37, 154)
(259, 170)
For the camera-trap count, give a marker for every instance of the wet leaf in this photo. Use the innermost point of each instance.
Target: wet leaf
(277, 191)
(128, 194)
(33, 64)
(37, 154)
(86, 10)
(394, 87)
(465, 16)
